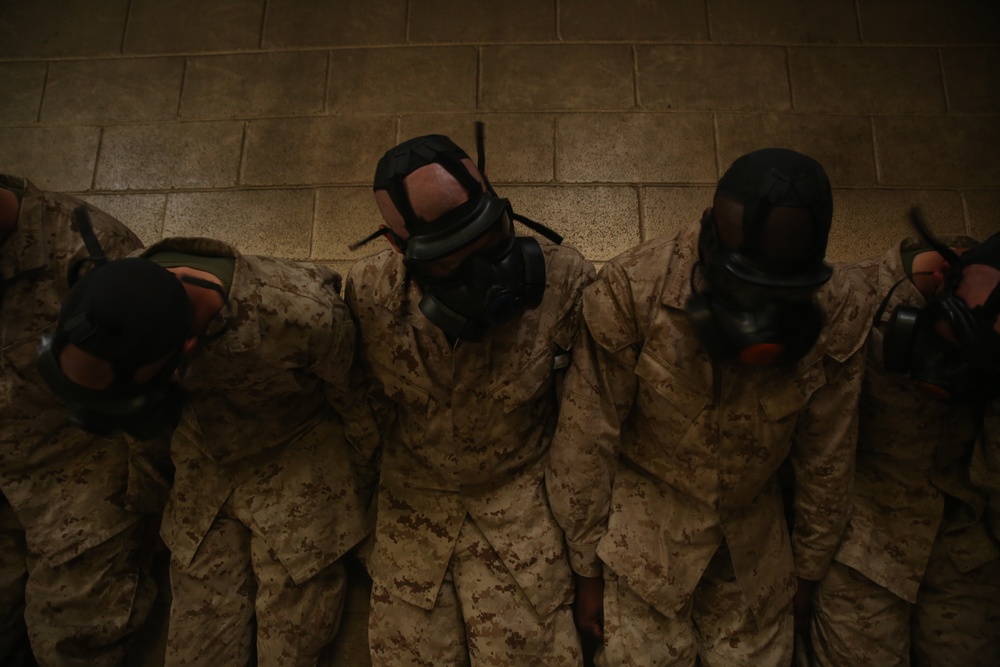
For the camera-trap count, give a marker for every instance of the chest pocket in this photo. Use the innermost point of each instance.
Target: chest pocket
(666, 395)
(785, 397)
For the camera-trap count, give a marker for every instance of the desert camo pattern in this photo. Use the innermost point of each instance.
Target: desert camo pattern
(660, 454)
(472, 425)
(265, 420)
(919, 528)
(68, 488)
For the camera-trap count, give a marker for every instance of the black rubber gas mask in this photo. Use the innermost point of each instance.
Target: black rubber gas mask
(496, 275)
(963, 369)
(153, 325)
(490, 285)
(753, 310)
(759, 322)
(143, 411)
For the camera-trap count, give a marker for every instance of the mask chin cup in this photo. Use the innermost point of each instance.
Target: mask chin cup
(768, 337)
(487, 292)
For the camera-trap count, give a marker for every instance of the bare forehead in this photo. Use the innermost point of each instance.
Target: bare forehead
(978, 282)
(433, 191)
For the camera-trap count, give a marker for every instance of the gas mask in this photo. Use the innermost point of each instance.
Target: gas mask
(490, 286)
(501, 277)
(143, 411)
(756, 310)
(753, 323)
(153, 325)
(965, 370)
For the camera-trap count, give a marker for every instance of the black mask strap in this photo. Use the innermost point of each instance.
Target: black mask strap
(86, 228)
(920, 224)
(885, 302)
(536, 227)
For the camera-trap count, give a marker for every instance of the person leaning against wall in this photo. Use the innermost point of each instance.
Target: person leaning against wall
(87, 590)
(465, 327)
(250, 357)
(709, 357)
(916, 579)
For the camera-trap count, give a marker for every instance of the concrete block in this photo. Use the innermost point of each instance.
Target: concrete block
(22, 85)
(671, 209)
(782, 21)
(482, 21)
(710, 77)
(410, 79)
(57, 28)
(842, 144)
(170, 155)
(930, 21)
(103, 91)
(343, 216)
(320, 150)
(565, 76)
(633, 20)
(258, 84)
(866, 80)
(983, 212)
(193, 26)
(938, 151)
(971, 81)
(635, 148)
(305, 23)
(257, 222)
(867, 222)
(600, 222)
(54, 158)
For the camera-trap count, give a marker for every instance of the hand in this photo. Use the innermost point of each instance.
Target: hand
(588, 614)
(802, 605)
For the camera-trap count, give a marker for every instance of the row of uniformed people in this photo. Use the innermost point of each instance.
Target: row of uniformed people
(655, 466)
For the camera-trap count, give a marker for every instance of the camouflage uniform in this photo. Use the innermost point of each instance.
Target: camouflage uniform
(468, 562)
(664, 466)
(264, 502)
(85, 592)
(917, 558)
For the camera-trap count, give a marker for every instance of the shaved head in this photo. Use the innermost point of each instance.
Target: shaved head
(432, 192)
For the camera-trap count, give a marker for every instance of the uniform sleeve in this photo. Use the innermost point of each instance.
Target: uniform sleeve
(984, 470)
(598, 394)
(826, 436)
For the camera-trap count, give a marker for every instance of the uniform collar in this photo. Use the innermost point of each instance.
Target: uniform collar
(240, 316)
(677, 283)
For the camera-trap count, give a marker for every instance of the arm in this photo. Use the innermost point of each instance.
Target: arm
(584, 456)
(984, 470)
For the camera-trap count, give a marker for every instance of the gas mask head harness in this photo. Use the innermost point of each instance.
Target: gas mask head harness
(491, 284)
(963, 368)
(759, 309)
(129, 313)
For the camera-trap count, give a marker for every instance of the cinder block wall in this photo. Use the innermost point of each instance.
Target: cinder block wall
(260, 121)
